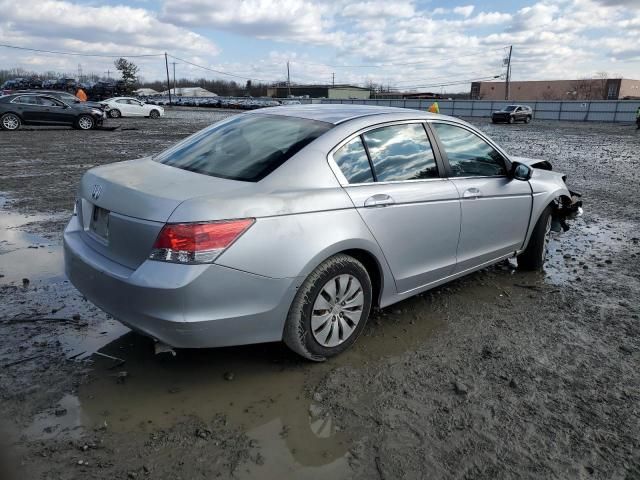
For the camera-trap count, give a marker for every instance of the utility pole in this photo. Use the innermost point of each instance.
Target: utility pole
(166, 64)
(108, 72)
(333, 79)
(288, 80)
(174, 78)
(80, 72)
(507, 85)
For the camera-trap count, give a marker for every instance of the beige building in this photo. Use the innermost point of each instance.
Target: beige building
(586, 89)
(343, 92)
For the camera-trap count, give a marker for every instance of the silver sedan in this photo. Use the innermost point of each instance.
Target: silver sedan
(290, 223)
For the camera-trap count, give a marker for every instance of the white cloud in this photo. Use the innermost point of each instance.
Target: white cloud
(465, 11)
(551, 38)
(379, 9)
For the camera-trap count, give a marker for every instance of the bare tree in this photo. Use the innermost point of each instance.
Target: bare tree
(600, 87)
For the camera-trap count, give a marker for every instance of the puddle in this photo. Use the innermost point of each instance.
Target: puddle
(26, 255)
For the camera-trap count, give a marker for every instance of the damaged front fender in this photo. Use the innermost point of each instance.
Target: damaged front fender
(566, 208)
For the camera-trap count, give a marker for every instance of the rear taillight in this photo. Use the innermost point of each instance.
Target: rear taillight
(197, 242)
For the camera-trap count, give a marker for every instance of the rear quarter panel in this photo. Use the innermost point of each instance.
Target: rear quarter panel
(294, 245)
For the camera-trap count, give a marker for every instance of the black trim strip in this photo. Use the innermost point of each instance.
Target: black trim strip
(366, 149)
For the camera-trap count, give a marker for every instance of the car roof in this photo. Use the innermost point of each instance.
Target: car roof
(340, 113)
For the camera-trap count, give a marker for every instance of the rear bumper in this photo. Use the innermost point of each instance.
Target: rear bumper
(185, 306)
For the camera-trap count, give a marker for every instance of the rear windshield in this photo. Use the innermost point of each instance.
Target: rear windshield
(247, 148)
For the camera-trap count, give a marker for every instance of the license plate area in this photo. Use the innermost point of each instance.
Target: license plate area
(99, 224)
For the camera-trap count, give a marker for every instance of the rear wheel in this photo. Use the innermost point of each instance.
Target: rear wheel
(330, 309)
(115, 113)
(85, 122)
(154, 114)
(535, 254)
(10, 121)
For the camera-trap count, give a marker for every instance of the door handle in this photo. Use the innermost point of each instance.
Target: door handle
(379, 200)
(472, 193)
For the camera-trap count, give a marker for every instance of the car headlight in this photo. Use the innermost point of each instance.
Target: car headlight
(96, 111)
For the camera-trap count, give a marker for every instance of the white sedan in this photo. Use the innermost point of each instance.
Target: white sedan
(130, 107)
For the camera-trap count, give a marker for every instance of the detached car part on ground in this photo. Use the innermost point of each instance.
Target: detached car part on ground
(513, 114)
(291, 223)
(32, 109)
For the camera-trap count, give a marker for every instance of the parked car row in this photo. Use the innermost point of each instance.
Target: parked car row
(219, 102)
(40, 107)
(95, 90)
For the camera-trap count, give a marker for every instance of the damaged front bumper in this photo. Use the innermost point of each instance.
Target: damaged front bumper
(566, 209)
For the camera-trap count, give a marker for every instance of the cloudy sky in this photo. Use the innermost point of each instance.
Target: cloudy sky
(409, 44)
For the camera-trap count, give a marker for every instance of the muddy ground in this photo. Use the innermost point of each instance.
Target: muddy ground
(501, 374)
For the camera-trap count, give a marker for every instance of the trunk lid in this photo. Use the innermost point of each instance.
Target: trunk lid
(123, 206)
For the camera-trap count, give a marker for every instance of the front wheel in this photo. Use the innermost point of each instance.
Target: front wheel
(85, 122)
(535, 254)
(10, 121)
(511, 119)
(330, 309)
(115, 113)
(527, 119)
(154, 114)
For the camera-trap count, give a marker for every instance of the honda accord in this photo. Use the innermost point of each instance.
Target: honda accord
(289, 223)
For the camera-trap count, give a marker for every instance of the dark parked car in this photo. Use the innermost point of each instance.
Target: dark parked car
(66, 97)
(512, 114)
(30, 109)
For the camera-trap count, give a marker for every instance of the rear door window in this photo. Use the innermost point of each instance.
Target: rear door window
(401, 152)
(353, 162)
(27, 100)
(468, 154)
(50, 102)
(248, 147)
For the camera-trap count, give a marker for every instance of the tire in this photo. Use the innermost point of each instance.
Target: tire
(527, 119)
(115, 113)
(535, 254)
(154, 114)
(10, 121)
(338, 280)
(511, 119)
(85, 122)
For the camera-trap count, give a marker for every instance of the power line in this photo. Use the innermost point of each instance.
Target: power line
(460, 82)
(381, 65)
(219, 71)
(79, 54)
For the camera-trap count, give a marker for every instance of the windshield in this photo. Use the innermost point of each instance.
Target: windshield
(247, 148)
(510, 108)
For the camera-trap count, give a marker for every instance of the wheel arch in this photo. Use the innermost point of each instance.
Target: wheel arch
(382, 281)
(540, 203)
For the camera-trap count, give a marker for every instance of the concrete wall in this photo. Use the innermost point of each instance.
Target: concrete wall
(593, 111)
(346, 93)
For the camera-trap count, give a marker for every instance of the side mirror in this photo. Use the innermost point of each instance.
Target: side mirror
(520, 171)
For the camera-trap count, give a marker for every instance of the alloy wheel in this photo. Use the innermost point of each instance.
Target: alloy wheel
(10, 122)
(85, 123)
(337, 310)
